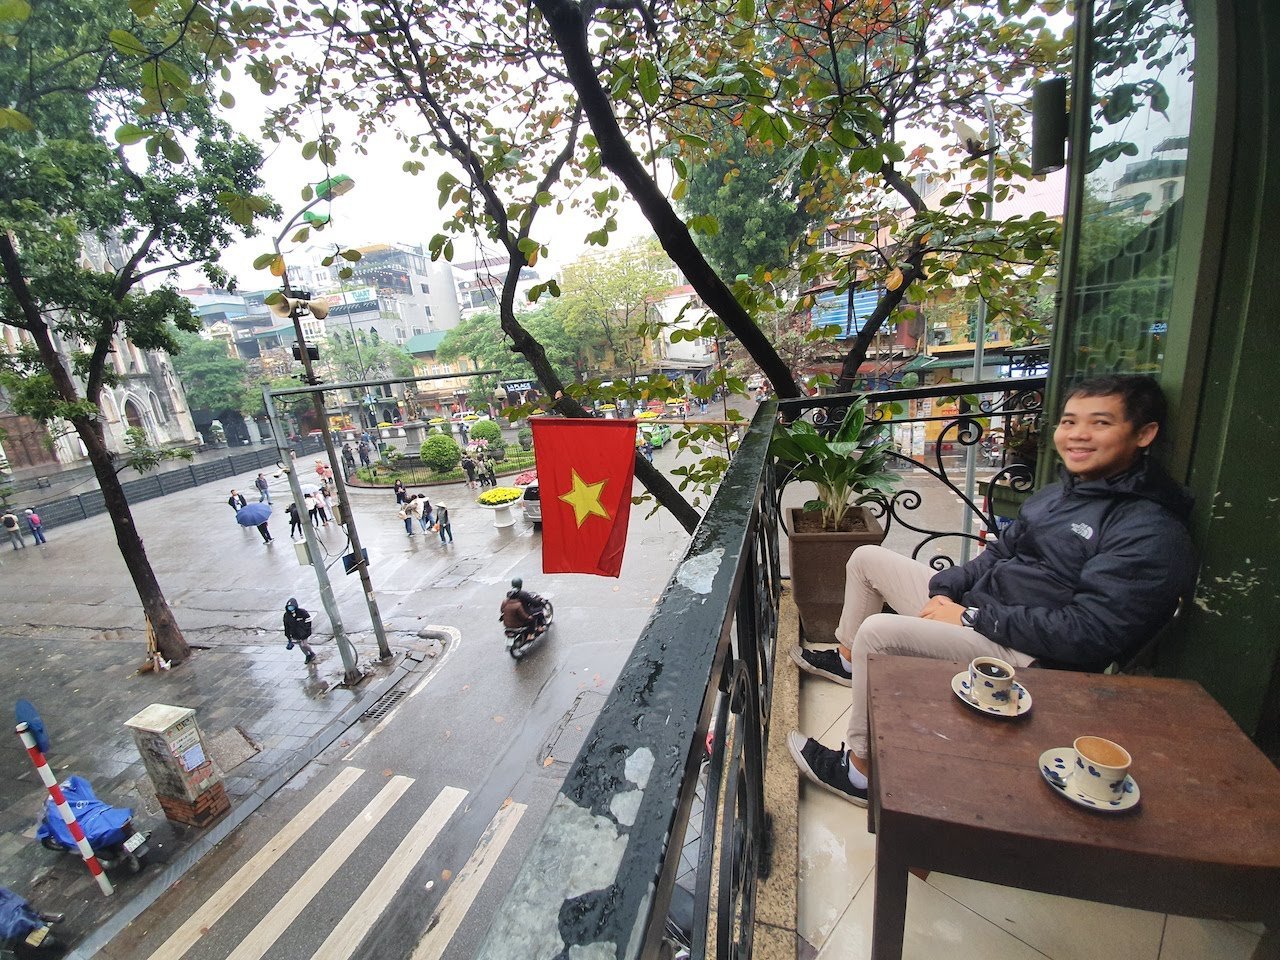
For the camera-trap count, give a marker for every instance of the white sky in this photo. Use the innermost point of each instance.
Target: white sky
(387, 204)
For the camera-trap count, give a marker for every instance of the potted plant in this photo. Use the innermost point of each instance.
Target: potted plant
(848, 469)
(500, 500)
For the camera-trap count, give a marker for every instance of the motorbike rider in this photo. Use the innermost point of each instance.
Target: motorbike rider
(520, 607)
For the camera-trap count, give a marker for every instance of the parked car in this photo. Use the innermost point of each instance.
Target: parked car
(658, 434)
(532, 504)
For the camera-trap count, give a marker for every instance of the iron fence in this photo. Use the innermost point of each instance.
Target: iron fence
(55, 513)
(685, 727)
(1000, 419)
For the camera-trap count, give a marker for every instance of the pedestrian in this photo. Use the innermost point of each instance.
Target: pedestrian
(37, 528)
(363, 450)
(469, 467)
(399, 491)
(406, 515)
(312, 508)
(295, 521)
(264, 490)
(442, 522)
(322, 505)
(348, 459)
(14, 530)
(266, 534)
(426, 516)
(646, 449)
(297, 628)
(236, 501)
(490, 472)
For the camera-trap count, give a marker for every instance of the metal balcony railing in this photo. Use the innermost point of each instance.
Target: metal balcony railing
(656, 839)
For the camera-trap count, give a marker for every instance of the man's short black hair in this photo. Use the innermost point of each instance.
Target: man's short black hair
(1141, 396)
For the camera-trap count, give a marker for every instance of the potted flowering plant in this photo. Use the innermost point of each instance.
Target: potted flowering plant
(848, 469)
(500, 500)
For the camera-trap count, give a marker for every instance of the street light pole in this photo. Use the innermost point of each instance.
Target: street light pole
(979, 339)
(296, 310)
(350, 668)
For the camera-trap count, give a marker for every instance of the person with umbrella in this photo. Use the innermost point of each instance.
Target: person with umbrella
(256, 515)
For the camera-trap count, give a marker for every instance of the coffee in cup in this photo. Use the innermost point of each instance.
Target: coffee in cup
(991, 683)
(1100, 769)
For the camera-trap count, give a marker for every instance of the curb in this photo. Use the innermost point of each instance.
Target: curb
(185, 861)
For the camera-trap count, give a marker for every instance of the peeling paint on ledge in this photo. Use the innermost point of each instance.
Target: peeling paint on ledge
(698, 574)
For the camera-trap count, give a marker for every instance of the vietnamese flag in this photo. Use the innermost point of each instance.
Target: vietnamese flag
(584, 481)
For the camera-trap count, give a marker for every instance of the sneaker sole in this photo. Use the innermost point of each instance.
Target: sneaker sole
(798, 659)
(813, 778)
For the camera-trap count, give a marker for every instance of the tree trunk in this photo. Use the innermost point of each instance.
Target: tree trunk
(169, 639)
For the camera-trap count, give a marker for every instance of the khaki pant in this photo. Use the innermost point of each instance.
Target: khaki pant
(875, 576)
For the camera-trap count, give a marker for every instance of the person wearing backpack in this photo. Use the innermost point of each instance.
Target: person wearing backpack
(36, 527)
(14, 530)
(297, 628)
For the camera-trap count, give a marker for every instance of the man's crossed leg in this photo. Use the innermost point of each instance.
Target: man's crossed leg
(875, 576)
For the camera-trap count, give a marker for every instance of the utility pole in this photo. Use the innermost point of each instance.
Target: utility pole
(350, 668)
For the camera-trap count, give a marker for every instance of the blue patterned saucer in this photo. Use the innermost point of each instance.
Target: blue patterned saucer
(960, 687)
(1054, 765)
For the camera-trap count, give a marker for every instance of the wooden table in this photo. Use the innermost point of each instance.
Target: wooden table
(961, 792)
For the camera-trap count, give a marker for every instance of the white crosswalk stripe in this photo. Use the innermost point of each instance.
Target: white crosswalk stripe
(466, 886)
(187, 935)
(283, 913)
(364, 913)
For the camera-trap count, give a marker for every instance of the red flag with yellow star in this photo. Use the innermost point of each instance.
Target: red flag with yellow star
(584, 481)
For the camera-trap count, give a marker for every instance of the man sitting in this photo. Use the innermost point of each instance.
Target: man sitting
(1091, 569)
(520, 607)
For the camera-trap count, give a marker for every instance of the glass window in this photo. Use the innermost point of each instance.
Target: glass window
(1132, 183)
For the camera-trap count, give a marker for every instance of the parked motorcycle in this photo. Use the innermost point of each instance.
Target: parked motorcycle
(23, 932)
(108, 829)
(522, 639)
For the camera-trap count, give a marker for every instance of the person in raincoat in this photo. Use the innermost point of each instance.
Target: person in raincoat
(297, 628)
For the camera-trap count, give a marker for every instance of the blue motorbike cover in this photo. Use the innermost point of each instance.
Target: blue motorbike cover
(103, 824)
(17, 919)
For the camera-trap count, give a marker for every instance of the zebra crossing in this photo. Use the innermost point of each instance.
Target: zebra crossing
(346, 935)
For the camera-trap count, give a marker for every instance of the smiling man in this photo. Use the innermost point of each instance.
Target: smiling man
(1091, 569)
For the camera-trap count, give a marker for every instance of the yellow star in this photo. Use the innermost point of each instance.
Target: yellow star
(585, 499)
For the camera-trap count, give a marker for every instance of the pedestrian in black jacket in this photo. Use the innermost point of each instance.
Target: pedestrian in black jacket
(1090, 570)
(297, 628)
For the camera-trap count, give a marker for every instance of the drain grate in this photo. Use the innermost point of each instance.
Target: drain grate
(383, 705)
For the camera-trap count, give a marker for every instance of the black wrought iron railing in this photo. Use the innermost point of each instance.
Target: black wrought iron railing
(933, 428)
(678, 751)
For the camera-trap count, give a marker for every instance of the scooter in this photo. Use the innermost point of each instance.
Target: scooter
(522, 639)
(108, 829)
(23, 932)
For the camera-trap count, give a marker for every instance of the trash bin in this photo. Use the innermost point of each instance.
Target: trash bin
(187, 783)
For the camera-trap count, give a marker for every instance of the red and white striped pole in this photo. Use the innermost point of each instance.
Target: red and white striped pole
(55, 791)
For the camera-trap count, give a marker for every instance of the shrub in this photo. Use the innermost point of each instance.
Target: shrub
(524, 436)
(440, 453)
(486, 430)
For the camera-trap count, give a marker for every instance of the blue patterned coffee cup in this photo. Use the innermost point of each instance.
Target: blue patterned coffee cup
(991, 681)
(1100, 769)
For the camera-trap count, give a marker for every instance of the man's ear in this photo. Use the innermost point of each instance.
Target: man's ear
(1147, 435)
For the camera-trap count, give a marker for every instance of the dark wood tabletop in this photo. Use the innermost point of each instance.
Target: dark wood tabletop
(961, 792)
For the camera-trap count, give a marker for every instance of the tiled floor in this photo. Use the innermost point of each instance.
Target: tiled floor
(956, 919)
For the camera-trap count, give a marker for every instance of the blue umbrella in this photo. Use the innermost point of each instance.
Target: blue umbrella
(253, 514)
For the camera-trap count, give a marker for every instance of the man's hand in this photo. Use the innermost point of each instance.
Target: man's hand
(943, 610)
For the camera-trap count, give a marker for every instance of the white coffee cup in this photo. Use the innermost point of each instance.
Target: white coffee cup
(1100, 769)
(991, 681)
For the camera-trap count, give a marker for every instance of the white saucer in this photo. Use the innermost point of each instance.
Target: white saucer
(1054, 763)
(960, 687)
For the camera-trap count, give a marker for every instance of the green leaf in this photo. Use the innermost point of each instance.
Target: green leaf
(527, 245)
(346, 273)
(226, 99)
(14, 11)
(127, 44)
(261, 262)
(143, 8)
(704, 223)
(11, 119)
(309, 149)
(351, 255)
(129, 133)
(747, 9)
(172, 150)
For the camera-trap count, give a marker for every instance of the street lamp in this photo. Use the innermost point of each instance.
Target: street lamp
(335, 186)
(975, 149)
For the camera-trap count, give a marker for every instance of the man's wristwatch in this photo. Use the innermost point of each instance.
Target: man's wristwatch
(969, 617)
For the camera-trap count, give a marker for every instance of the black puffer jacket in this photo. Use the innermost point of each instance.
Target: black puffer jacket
(1087, 573)
(297, 622)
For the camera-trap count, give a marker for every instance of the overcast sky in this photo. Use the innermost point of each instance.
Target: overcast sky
(387, 204)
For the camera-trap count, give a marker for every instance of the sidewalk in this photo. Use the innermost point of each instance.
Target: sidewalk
(263, 715)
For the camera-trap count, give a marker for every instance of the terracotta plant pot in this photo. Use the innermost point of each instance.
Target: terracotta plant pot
(817, 572)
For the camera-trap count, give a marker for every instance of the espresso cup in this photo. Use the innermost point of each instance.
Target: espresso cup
(1101, 768)
(991, 681)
